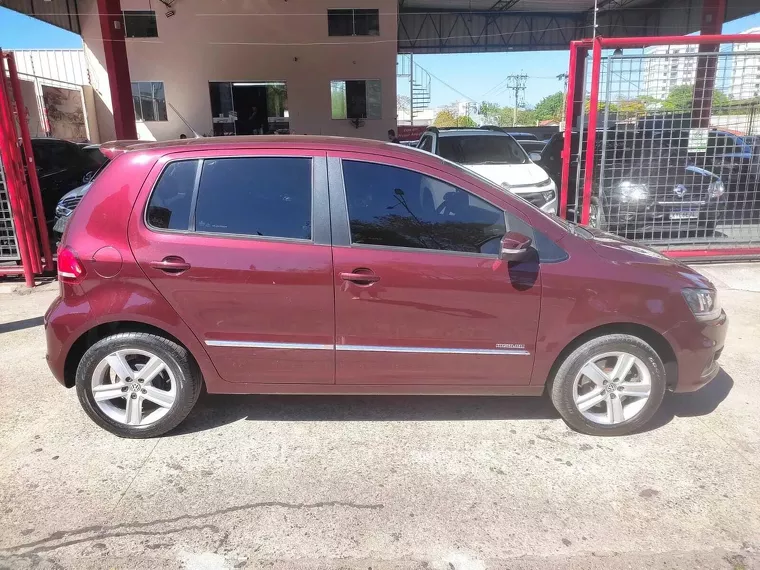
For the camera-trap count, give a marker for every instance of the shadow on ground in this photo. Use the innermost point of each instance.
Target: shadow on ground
(19, 325)
(217, 410)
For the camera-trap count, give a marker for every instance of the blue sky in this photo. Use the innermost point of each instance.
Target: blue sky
(472, 75)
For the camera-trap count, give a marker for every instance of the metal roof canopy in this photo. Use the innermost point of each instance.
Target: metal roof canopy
(456, 26)
(460, 26)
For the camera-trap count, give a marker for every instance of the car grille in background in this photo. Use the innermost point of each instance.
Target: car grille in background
(70, 203)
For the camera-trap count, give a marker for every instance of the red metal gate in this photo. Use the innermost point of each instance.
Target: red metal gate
(662, 142)
(24, 243)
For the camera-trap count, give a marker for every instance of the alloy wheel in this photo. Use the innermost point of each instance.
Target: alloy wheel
(134, 387)
(612, 388)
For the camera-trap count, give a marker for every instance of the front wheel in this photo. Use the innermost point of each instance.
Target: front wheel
(611, 385)
(137, 385)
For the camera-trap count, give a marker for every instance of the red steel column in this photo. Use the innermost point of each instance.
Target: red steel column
(593, 115)
(713, 15)
(112, 30)
(13, 181)
(573, 108)
(31, 167)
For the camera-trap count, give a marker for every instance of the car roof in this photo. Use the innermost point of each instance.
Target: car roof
(470, 133)
(115, 148)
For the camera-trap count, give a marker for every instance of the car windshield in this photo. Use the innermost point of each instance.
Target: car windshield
(482, 149)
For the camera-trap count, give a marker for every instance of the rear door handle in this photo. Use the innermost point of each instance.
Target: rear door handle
(171, 264)
(360, 278)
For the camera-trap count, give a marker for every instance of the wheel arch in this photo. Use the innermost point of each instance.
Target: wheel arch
(653, 338)
(98, 332)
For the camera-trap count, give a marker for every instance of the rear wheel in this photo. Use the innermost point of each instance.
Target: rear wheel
(611, 385)
(137, 385)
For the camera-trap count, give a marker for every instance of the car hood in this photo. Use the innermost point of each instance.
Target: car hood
(620, 250)
(515, 175)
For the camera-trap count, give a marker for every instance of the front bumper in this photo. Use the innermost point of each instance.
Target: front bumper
(632, 217)
(700, 344)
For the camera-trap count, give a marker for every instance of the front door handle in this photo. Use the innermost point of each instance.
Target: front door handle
(172, 264)
(360, 278)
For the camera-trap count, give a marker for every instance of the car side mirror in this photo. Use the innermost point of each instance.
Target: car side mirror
(514, 246)
(535, 156)
(88, 177)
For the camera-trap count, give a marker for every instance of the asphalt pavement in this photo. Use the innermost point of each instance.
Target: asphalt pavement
(387, 483)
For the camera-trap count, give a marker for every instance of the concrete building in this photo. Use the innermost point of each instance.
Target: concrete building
(238, 67)
(745, 79)
(668, 67)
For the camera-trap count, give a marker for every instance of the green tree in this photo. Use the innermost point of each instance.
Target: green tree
(526, 117)
(490, 112)
(681, 98)
(550, 107)
(449, 118)
(445, 118)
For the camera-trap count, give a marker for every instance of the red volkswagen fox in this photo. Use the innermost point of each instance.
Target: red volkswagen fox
(308, 265)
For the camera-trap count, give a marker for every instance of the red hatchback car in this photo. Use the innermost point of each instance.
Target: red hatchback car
(314, 265)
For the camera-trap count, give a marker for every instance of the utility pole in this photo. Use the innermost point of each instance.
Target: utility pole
(563, 77)
(517, 84)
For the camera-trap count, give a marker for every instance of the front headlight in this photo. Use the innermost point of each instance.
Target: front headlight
(62, 211)
(548, 195)
(716, 189)
(630, 192)
(703, 303)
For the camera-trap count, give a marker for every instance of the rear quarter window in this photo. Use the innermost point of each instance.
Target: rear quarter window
(169, 204)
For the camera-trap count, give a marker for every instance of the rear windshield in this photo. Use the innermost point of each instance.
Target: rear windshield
(482, 149)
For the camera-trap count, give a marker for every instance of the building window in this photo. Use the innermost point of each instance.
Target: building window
(149, 100)
(355, 22)
(356, 99)
(140, 24)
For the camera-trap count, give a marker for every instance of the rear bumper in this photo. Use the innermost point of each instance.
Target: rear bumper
(700, 344)
(63, 323)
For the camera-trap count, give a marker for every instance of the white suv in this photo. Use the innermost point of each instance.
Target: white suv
(495, 155)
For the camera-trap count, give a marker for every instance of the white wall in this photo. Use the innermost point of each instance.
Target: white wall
(249, 40)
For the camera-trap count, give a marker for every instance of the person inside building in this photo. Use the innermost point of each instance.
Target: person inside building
(392, 136)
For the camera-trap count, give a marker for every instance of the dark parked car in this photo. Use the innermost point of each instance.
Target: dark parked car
(61, 167)
(639, 189)
(65, 207)
(534, 148)
(310, 265)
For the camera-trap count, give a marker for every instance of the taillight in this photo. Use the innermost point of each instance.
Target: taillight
(70, 269)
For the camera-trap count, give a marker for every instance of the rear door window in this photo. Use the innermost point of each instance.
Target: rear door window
(261, 196)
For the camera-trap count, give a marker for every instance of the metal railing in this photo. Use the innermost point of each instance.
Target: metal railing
(667, 148)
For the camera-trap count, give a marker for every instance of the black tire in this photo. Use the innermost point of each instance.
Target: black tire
(562, 385)
(177, 358)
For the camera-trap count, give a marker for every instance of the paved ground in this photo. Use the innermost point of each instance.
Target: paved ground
(381, 483)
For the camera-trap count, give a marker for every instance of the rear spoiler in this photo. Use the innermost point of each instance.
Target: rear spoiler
(113, 149)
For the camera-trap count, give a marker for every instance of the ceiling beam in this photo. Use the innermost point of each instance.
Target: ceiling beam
(504, 4)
